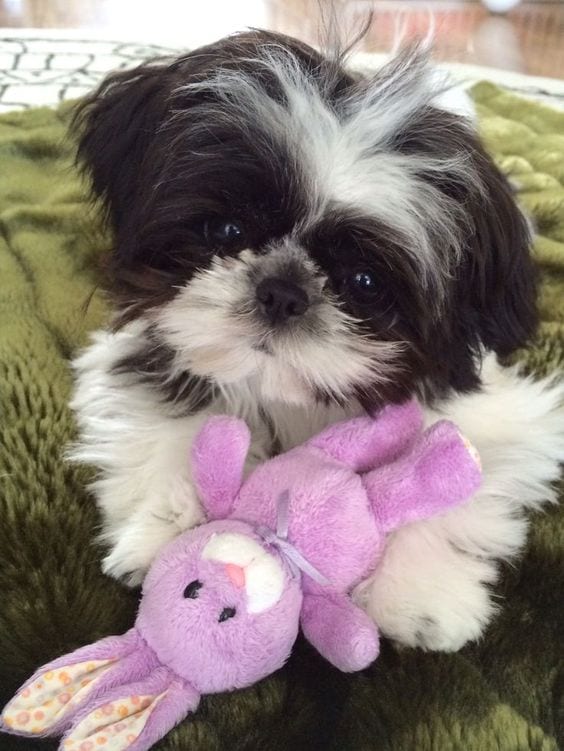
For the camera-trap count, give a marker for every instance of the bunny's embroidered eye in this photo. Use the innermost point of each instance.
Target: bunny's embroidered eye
(193, 589)
(226, 614)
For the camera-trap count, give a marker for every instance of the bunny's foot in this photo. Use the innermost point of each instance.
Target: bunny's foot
(340, 631)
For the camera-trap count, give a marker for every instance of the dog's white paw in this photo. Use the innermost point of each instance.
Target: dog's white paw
(426, 593)
(118, 564)
(137, 541)
(134, 547)
(446, 627)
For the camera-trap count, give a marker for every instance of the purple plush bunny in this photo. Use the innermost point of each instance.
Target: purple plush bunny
(222, 604)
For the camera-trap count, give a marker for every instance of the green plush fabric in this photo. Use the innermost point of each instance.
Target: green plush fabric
(504, 694)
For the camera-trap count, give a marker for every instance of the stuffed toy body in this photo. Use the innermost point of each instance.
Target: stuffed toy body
(222, 604)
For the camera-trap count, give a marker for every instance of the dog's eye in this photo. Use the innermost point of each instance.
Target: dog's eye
(193, 589)
(223, 233)
(363, 284)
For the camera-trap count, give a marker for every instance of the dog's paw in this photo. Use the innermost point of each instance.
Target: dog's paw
(135, 544)
(427, 594)
(168, 509)
(125, 569)
(185, 509)
(442, 630)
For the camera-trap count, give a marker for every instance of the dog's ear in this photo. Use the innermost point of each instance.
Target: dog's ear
(492, 297)
(115, 127)
(499, 277)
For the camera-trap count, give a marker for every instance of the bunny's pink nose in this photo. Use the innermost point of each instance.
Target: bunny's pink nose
(236, 574)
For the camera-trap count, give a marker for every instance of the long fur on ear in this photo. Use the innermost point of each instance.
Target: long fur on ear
(502, 277)
(116, 126)
(492, 291)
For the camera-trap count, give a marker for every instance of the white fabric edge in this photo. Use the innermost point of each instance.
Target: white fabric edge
(462, 73)
(368, 60)
(114, 35)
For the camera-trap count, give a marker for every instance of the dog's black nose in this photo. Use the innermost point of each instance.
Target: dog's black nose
(279, 299)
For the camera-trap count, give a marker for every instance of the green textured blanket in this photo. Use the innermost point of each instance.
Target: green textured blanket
(504, 694)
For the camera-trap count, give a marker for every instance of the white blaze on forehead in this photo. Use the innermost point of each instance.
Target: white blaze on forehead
(346, 153)
(349, 160)
(264, 575)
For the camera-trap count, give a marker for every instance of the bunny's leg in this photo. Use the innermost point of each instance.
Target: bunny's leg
(339, 630)
(368, 442)
(441, 471)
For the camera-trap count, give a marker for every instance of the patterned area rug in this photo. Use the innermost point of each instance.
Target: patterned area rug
(36, 71)
(40, 67)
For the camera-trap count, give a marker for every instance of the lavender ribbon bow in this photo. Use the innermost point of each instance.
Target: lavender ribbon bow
(279, 540)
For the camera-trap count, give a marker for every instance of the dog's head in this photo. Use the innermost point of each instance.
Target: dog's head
(284, 225)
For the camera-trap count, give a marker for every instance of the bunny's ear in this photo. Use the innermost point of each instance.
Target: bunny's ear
(218, 460)
(365, 443)
(46, 703)
(133, 717)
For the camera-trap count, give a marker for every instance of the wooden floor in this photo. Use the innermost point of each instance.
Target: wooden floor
(528, 39)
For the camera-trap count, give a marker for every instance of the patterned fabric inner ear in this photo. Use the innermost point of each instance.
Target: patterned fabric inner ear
(113, 727)
(51, 695)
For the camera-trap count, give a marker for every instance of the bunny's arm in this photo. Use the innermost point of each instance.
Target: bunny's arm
(339, 630)
(441, 471)
(364, 443)
(47, 703)
(218, 460)
(134, 716)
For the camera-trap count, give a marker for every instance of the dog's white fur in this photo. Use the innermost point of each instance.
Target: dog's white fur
(432, 588)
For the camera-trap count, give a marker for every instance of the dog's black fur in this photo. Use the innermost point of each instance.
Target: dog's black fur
(167, 161)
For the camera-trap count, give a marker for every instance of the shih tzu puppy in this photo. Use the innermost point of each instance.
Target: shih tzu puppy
(296, 243)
